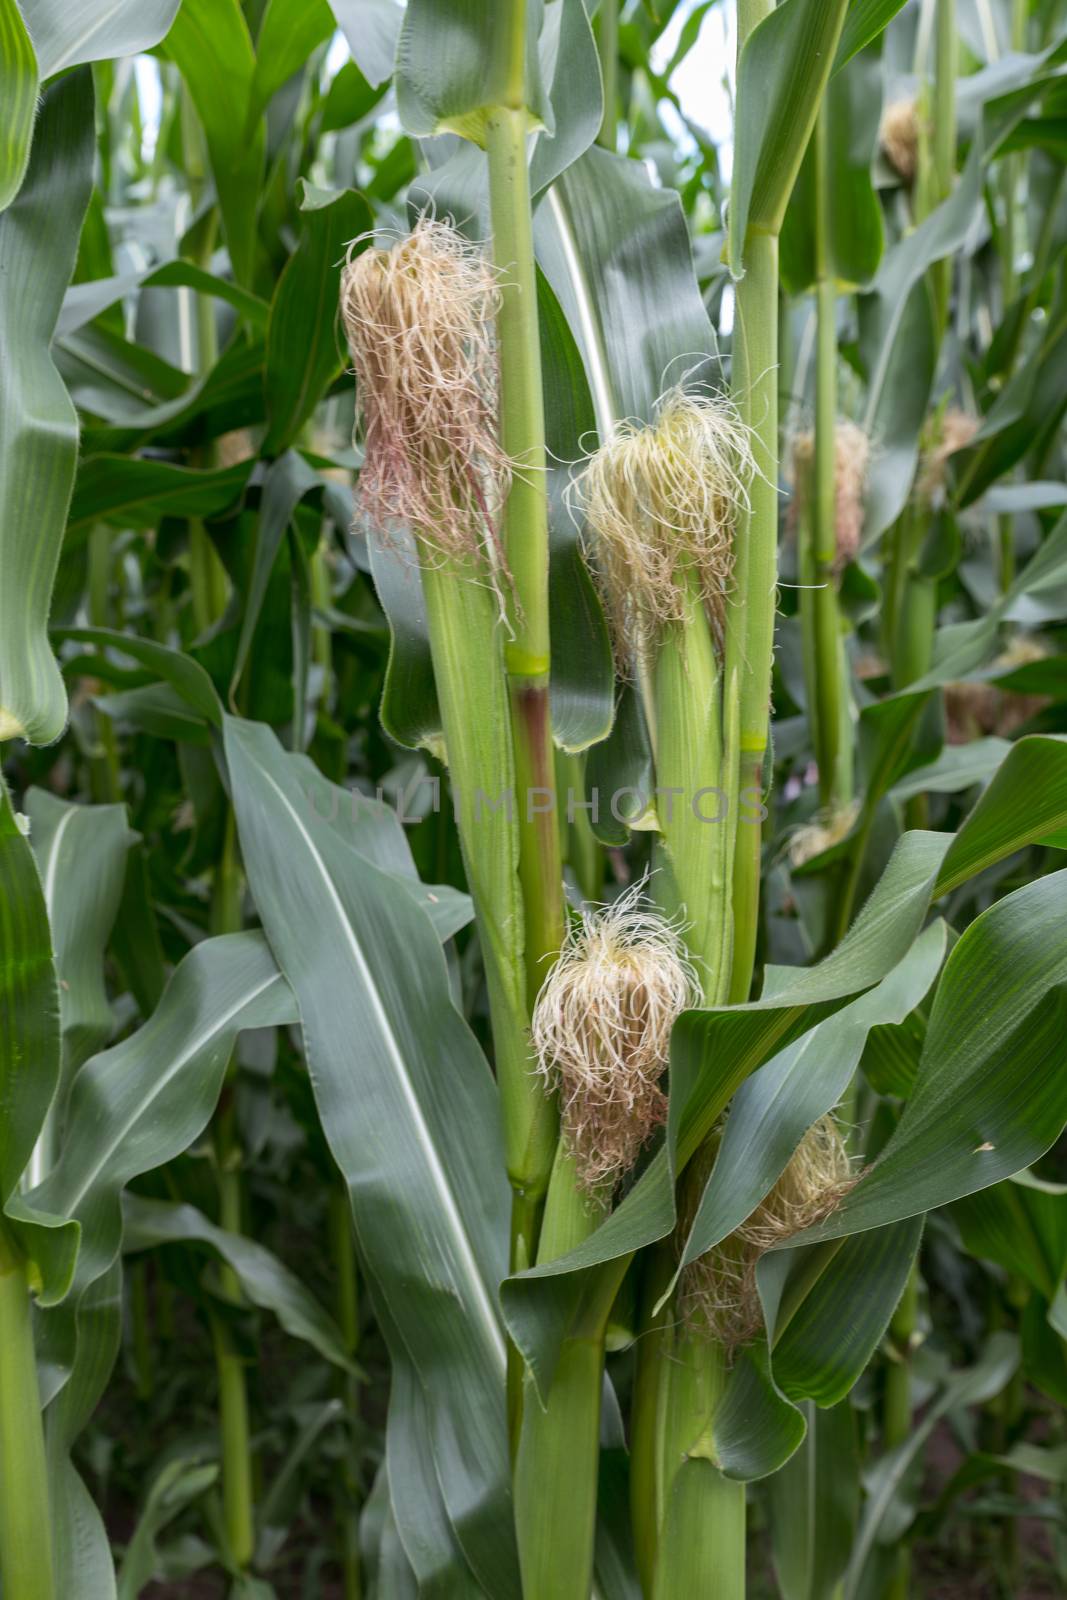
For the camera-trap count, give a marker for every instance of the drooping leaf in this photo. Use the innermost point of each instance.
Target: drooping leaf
(29, 1001)
(775, 1107)
(990, 1095)
(93, 30)
(136, 492)
(81, 855)
(142, 1103)
(1026, 799)
(264, 1280)
(18, 90)
(453, 66)
(304, 346)
(38, 427)
(372, 28)
(366, 966)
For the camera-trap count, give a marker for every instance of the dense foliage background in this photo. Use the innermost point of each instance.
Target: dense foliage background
(178, 562)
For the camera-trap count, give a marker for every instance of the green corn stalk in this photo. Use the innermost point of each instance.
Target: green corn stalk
(896, 1420)
(820, 612)
(607, 38)
(913, 607)
(25, 1536)
(342, 1251)
(750, 612)
(238, 1493)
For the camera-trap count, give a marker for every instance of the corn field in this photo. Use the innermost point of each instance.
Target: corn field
(533, 827)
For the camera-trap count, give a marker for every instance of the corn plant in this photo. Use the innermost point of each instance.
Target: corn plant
(533, 945)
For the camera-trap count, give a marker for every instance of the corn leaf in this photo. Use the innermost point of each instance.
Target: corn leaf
(78, 1344)
(265, 1281)
(453, 67)
(29, 1001)
(990, 1095)
(814, 1502)
(399, 1121)
(93, 30)
(851, 108)
(210, 43)
(18, 89)
(781, 75)
(38, 428)
(372, 28)
(775, 1107)
(142, 1103)
(304, 350)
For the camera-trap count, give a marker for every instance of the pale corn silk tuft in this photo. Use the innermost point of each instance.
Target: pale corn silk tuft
(717, 1295)
(660, 504)
(419, 317)
(944, 435)
(602, 1029)
(852, 455)
(812, 838)
(899, 137)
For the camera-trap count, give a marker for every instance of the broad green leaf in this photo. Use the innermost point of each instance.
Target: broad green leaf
(93, 30)
(210, 43)
(83, 302)
(616, 254)
(304, 352)
(814, 1502)
(415, 1491)
(183, 673)
(851, 109)
(228, 396)
(264, 1280)
(133, 492)
(88, 1335)
(824, 1338)
(430, 1221)
(375, 831)
(453, 66)
(571, 70)
(1022, 1225)
(991, 1094)
(781, 76)
(18, 91)
(286, 483)
(372, 28)
(29, 1001)
(38, 427)
(864, 21)
(288, 33)
(583, 673)
(958, 767)
(81, 856)
(1026, 799)
(775, 1107)
(138, 1105)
